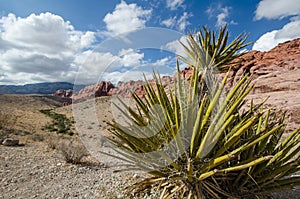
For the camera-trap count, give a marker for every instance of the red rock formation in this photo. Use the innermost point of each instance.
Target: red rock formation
(124, 89)
(96, 90)
(63, 93)
(275, 70)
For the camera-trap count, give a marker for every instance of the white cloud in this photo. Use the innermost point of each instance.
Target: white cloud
(126, 18)
(180, 24)
(270, 39)
(174, 4)
(222, 15)
(95, 64)
(176, 47)
(221, 18)
(130, 58)
(45, 47)
(87, 39)
(45, 32)
(169, 22)
(276, 9)
(183, 21)
(162, 62)
(118, 76)
(39, 48)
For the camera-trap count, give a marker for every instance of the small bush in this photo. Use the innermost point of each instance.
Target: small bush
(52, 143)
(73, 151)
(38, 137)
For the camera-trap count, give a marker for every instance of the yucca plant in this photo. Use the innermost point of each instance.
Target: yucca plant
(197, 141)
(213, 49)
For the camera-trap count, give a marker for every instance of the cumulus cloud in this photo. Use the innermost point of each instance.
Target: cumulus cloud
(130, 58)
(222, 15)
(95, 64)
(162, 62)
(126, 18)
(46, 48)
(46, 32)
(179, 23)
(174, 4)
(275, 9)
(118, 76)
(40, 48)
(176, 47)
(271, 39)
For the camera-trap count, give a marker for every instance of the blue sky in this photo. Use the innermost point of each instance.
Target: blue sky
(92, 40)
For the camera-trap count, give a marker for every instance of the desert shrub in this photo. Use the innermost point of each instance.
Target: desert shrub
(197, 142)
(73, 151)
(60, 123)
(52, 143)
(38, 137)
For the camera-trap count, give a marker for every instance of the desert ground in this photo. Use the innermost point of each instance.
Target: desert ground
(38, 168)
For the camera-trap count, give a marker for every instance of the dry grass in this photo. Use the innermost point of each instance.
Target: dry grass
(24, 111)
(7, 120)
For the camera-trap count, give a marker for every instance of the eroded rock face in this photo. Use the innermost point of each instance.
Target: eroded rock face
(124, 89)
(275, 70)
(96, 90)
(63, 93)
(276, 75)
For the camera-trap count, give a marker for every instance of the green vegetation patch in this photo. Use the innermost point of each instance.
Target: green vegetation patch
(60, 123)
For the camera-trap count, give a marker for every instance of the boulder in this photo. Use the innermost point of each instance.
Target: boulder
(10, 142)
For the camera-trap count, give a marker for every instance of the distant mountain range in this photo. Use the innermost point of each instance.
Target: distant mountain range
(38, 88)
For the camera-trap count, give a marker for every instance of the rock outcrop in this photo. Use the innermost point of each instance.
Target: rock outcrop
(276, 75)
(275, 70)
(126, 88)
(96, 90)
(63, 93)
